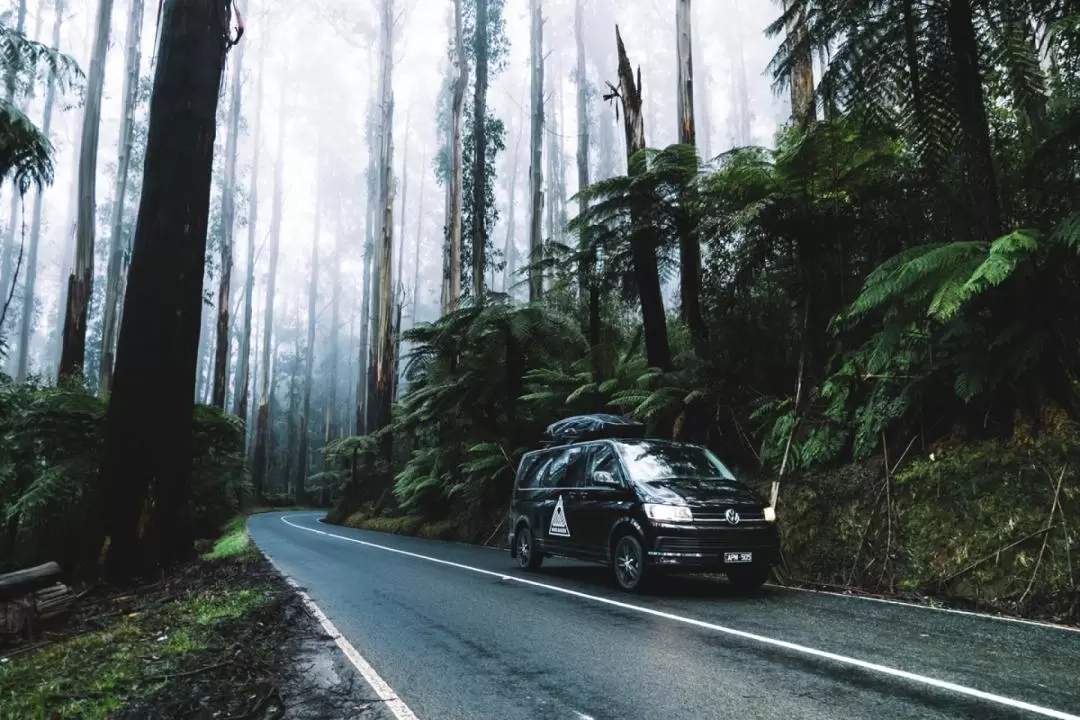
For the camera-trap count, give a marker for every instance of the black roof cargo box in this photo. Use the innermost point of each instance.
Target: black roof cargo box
(592, 427)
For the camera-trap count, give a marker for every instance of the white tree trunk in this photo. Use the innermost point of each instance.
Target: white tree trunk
(116, 240)
(536, 168)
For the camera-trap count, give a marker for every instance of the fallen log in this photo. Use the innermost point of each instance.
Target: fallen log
(21, 581)
(53, 601)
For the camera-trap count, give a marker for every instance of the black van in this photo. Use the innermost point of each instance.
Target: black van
(639, 505)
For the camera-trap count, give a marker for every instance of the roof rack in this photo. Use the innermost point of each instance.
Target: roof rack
(581, 428)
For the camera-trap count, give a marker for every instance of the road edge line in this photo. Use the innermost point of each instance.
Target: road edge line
(382, 689)
(724, 630)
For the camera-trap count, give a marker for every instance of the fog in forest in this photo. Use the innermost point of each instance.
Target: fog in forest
(309, 92)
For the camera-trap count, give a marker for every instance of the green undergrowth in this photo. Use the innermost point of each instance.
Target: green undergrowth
(234, 542)
(403, 525)
(203, 641)
(967, 523)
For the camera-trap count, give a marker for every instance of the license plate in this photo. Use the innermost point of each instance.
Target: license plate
(738, 557)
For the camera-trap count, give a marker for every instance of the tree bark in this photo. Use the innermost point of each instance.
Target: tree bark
(309, 359)
(148, 433)
(384, 356)
(479, 239)
(689, 247)
(116, 240)
(802, 75)
(243, 368)
(590, 290)
(27, 319)
(536, 168)
(419, 236)
(81, 281)
(266, 391)
(461, 80)
(982, 185)
(330, 423)
(642, 246)
(509, 249)
(366, 306)
(228, 228)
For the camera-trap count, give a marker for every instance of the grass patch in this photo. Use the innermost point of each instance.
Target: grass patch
(234, 542)
(99, 672)
(403, 525)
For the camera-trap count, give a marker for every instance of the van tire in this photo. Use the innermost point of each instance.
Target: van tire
(528, 558)
(748, 578)
(628, 562)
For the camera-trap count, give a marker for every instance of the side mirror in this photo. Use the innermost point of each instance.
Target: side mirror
(603, 477)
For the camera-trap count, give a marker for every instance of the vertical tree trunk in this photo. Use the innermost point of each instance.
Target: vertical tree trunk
(309, 359)
(982, 183)
(81, 281)
(419, 236)
(116, 240)
(228, 228)
(689, 248)
(366, 307)
(461, 80)
(384, 357)
(243, 367)
(262, 429)
(330, 423)
(536, 170)
(802, 75)
(590, 290)
(27, 319)
(479, 239)
(703, 106)
(509, 253)
(8, 252)
(643, 250)
(148, 435)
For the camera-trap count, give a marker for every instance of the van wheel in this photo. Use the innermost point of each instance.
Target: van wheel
(628, 562)
(527, 557)
(748, 578)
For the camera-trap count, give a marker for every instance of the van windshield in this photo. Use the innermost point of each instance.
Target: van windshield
(652, 461)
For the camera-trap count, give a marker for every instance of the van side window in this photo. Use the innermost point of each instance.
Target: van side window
(602, 458)
(532, 471)
(566, 469)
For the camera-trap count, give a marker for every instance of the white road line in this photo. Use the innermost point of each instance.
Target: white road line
(382, 689)
(887, 601)
(813, 652)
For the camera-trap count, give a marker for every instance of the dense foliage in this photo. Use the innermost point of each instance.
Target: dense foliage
(903, 267)
(50, 448)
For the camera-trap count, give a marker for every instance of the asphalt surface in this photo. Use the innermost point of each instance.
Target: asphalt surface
(454, 643)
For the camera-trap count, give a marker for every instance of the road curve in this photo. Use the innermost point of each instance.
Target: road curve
(459, 633)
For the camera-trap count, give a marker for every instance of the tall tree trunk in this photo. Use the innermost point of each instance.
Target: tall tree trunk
(982, 186)
(309, 359)
(479, 228)
(27, 319)
(81, 281)
(689, 247)
(509, 249)
(536, 169)
(419, 236)
(802, 74)
(590, 289)
(148, 433)
(228, 228)
(704, 108)
(243, 368)
(330, 423)
(366, 307)
(133, 44)
(643, 250)
(461, 81)
(260, 470)
(8, 253)
(383, 320)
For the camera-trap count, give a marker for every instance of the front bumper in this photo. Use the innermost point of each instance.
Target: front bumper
(705, 549)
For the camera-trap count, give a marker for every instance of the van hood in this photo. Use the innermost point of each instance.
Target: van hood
(698, 493)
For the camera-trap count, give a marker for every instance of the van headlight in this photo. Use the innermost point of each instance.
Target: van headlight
(668, 513)
(770, 514)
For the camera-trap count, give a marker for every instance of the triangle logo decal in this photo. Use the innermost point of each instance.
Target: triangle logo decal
(558, 521)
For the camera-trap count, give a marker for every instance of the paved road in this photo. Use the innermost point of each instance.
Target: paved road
(458, 633)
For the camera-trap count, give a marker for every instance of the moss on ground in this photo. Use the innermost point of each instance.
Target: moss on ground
(205, 640)
(404, 525)
(234, 541)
